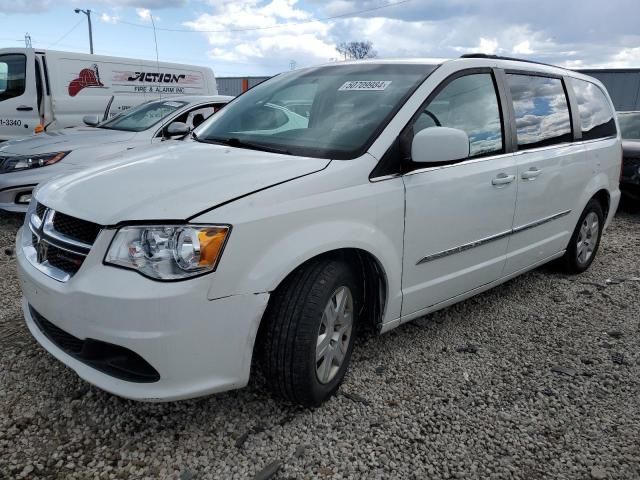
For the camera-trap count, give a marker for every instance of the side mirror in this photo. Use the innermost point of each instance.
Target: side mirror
(176, 129)
(439, 144)
(91, 120)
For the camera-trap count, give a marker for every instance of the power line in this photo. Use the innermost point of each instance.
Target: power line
(66, 34)
(281, 25)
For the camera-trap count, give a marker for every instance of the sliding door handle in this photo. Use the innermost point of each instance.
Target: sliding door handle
(24, 108)
(531, 174)
(503, 179)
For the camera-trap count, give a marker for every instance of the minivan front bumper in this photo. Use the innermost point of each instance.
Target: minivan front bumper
(197, 346)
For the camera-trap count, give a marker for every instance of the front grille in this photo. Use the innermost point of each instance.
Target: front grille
(114, 360)
(63, 260)
(75, 228)
(61, 242)
(40, 209)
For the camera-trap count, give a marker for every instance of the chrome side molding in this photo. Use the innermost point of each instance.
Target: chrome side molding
(492, 238)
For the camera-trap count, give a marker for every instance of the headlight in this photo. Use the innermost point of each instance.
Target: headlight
(168, 252)
(26, 162)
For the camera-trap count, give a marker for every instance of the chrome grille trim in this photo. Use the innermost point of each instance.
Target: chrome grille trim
(45, 254)
(50, 231)
(45, 267)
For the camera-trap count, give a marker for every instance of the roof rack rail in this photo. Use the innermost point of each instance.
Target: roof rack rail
(500, 57)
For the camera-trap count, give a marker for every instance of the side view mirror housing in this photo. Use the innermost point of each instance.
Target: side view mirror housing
(177, 129)
(91, 120)
(439, 144)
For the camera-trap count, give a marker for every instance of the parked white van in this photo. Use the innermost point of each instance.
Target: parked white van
(49, 90)
(411, 186)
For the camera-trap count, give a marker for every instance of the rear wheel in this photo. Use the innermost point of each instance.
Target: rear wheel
(585, 240)
(309, 331)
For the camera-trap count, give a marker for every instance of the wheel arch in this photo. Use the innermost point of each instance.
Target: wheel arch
(604, 197)
(371, 275)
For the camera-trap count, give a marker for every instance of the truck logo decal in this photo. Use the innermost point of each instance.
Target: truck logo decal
(87, 78)
(156, 77)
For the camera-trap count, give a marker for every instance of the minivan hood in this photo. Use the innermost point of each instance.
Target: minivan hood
(170, 182)
(68, 139)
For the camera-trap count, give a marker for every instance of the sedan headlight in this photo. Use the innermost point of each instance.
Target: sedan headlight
(27, 162)
(168, 252)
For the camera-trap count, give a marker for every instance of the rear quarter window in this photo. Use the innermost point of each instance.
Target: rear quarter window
(541, 110)
(596, 114)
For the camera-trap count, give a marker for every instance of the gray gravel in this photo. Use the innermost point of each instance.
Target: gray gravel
(538, 378)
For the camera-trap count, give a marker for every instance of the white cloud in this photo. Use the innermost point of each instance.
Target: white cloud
(144, 14)
(267, 34)
(625, 57)
(148, 4)
(487, 45)
(24, 6)
(106, 18)
(523, 48)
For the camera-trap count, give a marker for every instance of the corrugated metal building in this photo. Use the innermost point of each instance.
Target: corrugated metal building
(236, 85)
(623, 85)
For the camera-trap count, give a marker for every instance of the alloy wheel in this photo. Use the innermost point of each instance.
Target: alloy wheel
(334, 334)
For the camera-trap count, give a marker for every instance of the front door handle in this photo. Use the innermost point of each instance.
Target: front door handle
(503, 179)
(24, 108)
(531, 174)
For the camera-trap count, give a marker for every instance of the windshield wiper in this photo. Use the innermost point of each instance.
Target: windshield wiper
(236, 142)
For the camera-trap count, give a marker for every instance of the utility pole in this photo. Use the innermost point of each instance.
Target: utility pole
(88, 14)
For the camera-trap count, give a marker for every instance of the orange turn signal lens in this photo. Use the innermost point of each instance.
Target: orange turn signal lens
(211, 244)
(39, 128)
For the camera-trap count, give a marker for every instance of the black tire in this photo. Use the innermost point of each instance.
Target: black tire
(570, 262)
(291, 328)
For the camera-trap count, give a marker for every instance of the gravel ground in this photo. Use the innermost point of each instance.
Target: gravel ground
(538, 378)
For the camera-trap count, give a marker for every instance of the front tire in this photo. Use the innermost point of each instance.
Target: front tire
(309, 332)
(585, 240)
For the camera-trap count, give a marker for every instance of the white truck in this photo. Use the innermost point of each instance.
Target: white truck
(50, 90)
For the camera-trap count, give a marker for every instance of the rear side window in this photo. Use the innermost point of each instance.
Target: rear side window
(470, 104)
(12, 75)
(541, 109)
(596, 115)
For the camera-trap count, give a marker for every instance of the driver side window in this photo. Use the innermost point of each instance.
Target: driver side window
(470, 104)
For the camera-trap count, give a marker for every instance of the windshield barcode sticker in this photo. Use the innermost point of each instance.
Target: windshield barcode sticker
(365, 85)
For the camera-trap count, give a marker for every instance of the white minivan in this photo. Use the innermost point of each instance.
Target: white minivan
(408, 187)
(49, 90)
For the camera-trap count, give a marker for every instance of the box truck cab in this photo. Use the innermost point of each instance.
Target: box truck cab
(50, 90)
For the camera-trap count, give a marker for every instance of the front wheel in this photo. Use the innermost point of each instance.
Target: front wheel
(585, 240)
(309, 332)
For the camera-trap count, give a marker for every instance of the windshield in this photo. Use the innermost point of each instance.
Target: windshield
(630, 125)
(327, 112)
(12, 75)
(143, 116)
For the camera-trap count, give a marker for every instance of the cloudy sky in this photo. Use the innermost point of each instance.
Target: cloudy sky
(263, 37)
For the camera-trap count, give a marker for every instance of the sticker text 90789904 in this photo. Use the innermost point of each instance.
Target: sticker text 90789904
(365, 85)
